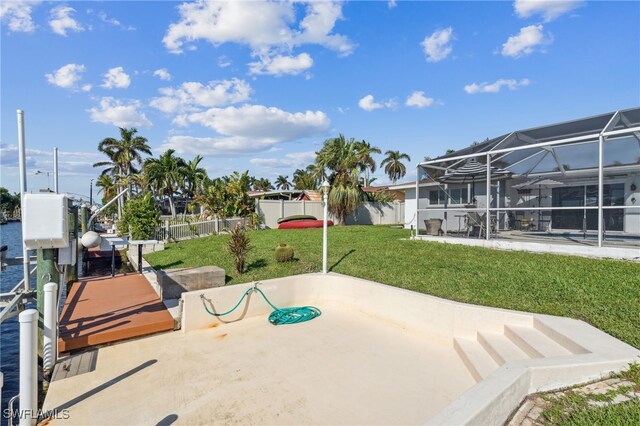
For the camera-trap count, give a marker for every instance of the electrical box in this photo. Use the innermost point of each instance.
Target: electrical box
(45, 221)
(68, 255)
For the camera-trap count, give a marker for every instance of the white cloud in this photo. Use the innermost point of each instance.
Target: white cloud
(525, 42)
(247, 129)
(66, 76)
(495, 87)
(17, 14)
(60, 20)
(223, 61)
(437, 46)
(70, 163)
(281, 65)
(392, 4)
(191, 96)
(162, 74)
(115, 112)
(116, 78)
(419, 100)
(368, 103)
(292, 160)
(86, 87)
(270, 29)
(548, 9)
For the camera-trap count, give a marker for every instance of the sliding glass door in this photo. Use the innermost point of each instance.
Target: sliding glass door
(587, 195)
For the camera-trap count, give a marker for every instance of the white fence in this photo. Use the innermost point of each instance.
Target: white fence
(171, 231)
(367, 214)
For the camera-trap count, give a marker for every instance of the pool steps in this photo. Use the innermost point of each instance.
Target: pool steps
(490, 350)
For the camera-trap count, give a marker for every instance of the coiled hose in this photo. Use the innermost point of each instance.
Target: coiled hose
(279, 316)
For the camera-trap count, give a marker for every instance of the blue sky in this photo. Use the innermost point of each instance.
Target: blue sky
(260, 86)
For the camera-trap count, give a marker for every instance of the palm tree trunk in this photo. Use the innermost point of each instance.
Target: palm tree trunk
(172, 207)
(119, 203)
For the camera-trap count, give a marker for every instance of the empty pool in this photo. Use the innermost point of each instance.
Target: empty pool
(376, 355)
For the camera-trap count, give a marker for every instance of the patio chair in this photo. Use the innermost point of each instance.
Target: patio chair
(474, 221)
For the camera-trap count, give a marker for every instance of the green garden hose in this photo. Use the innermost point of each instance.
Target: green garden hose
(279, 316)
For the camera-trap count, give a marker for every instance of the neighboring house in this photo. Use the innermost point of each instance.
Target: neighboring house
(565, 153)
(288, 195)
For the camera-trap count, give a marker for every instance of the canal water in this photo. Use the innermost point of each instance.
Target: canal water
(11, 235)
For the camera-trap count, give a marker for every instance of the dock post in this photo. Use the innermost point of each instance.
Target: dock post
(73, 235)
(28, 367)
(47, 272)
(84, 218)
(113, 260)
(139, 258)
(50, 345)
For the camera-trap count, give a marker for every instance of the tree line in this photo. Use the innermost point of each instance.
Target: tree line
(347, 164)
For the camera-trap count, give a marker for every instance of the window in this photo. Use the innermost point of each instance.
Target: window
(439, 197)
(458, 196)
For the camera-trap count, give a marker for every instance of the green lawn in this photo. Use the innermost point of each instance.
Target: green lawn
(604, 293)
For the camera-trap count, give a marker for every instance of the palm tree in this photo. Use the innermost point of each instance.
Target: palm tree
(123, 154)
(194, 177)
(282, 182)
(394, 168)
(260, 184)
(340, 157)
(107, 187)
(166, 175)
(367, 163)
(303, 179)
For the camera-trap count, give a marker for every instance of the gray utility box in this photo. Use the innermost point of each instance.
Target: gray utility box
(174, 282)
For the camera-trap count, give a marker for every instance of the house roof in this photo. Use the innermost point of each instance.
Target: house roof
(576, 147)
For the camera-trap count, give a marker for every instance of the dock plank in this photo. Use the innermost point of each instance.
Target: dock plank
(107, 309)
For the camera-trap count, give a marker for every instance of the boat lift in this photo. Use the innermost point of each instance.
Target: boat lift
(45, 225)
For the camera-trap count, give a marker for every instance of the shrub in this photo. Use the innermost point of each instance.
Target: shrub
(139, 218)
(284, 253)
(239, 245)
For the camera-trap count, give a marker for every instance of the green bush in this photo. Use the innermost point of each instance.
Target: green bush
(284, 253)
(139, 218)
(239, 246)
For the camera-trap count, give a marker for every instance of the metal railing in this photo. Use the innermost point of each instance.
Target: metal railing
(12, 302)
(188, 230)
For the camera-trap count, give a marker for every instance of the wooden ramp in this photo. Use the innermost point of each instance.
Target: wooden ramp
(105, 309)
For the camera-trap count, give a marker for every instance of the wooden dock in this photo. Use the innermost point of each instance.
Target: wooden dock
(102, 310)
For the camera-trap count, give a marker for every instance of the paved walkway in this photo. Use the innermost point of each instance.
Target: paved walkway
(105, 309)
(606, 392)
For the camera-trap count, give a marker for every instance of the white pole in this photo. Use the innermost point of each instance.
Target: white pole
(22, 162)
(28, 367)
(325, 198)
(600, 189)
(50, 347)
(417, 198)
(55, 170)
(487, 229)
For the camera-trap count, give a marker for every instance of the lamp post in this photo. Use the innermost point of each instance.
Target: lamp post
(90, 194)
(325, 198)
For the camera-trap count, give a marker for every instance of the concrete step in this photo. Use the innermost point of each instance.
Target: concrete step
(475, 357)
(500, 347)
(534, 343)
(558, 337)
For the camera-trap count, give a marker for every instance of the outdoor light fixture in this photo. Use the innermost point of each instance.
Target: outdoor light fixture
(633, 187)
(325, 198)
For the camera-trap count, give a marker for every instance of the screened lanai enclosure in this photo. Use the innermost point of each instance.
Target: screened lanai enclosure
(576, 181)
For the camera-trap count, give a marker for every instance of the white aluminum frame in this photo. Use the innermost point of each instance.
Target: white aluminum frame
(600, 137)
